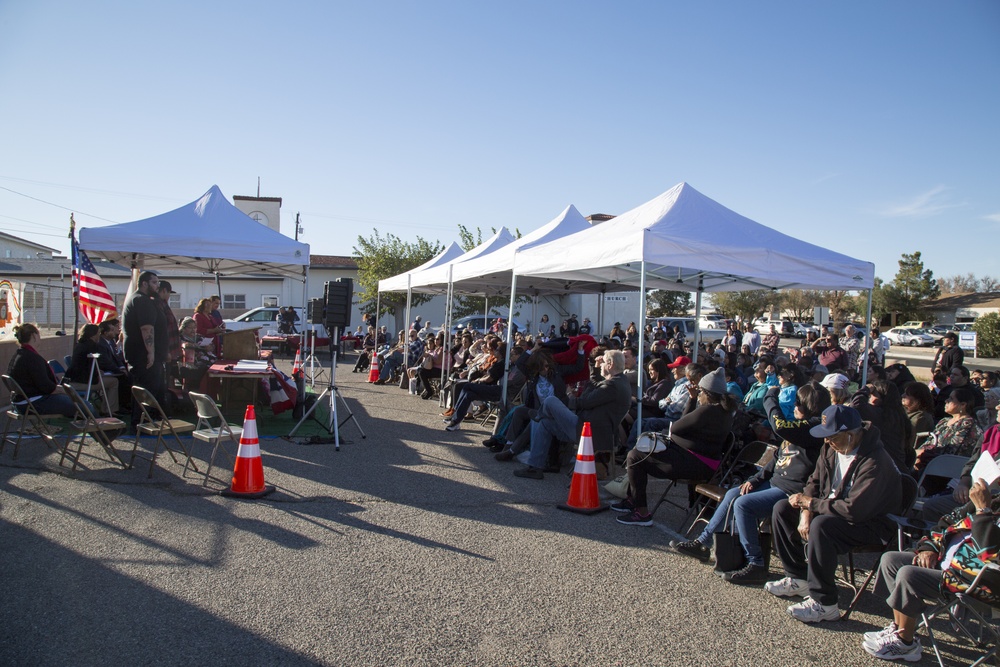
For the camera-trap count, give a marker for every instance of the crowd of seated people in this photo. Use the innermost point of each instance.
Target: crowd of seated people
(842, 446)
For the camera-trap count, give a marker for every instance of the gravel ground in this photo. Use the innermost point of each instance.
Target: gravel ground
(410, 547)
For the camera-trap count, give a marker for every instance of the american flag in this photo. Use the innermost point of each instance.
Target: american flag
(94, 298)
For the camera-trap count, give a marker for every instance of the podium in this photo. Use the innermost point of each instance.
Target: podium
(240, 344)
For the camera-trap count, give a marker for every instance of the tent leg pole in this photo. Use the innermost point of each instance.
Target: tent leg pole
(506, 362)
(868, 343)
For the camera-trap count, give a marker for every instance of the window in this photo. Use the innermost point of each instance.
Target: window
(33, 300)
(236, 301)
(174, 301)
(269, 301)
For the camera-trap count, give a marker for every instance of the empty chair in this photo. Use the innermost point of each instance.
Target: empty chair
(102, 429)
(153, 421)
(26, 418)
(212, 427)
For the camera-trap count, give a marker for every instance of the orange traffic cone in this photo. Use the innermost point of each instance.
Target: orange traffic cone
(297, 365)
(583, 496)
(248, 473)
(373, 369)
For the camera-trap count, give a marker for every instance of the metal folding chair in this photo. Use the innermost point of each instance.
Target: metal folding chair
(209, 414)
(98, 428)
(907, 496)
(29, 418)
(154, 421)
(969, 616)
(758, 454)
(948, 466)
(727, 449)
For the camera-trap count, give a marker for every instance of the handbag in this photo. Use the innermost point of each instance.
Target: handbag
(618, 486)
(729, 554)
(651, 442)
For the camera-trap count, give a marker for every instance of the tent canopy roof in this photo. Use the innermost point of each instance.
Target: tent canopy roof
(688, 241)
(209, 235)
(432, 279)
(399, 283)
(491, 273)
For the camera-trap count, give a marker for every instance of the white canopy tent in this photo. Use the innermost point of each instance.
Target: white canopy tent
(209, 235)
(401, 282)
(684, 241)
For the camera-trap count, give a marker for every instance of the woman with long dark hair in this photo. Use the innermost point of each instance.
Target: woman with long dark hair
(880, 404)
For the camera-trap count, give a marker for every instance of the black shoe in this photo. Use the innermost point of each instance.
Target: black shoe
(749, 575)
(624, 506)
(505, 455)
(692, 548)
(496, 448)
(529, 472)
(490, 442)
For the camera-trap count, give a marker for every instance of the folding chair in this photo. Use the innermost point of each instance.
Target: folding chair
(907, 496)
(948, 466)
(209, 413)
(153, 421)
(96, 427)
(964, 609)
(727, 449)
(30, 418)
(758, 453)
(58, 369)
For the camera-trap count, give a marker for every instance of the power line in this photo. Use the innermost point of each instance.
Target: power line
(71, 210)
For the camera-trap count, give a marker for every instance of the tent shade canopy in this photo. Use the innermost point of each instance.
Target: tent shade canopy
(688, 242)
(399, 283)
(435, 279)
(491, 274)
(209, 234)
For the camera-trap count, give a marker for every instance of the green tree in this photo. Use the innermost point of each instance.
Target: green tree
(910, 291)
(379, 258)
(661, 303)
(748, 304)
(800, 303)
(987, 328)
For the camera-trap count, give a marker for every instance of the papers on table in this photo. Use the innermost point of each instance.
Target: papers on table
(986, 469)
(251, 366)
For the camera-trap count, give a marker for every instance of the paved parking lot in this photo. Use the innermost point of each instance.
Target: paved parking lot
(410, 547)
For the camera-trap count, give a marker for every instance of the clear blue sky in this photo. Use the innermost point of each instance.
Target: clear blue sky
(867, 127)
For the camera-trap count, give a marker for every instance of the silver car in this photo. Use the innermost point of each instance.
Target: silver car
(910, 337)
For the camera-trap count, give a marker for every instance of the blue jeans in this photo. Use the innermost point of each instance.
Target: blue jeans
(52, 404)
(556, 421)
(389, 366)
(748, 510)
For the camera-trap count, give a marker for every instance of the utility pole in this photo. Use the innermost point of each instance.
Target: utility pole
(297, 228)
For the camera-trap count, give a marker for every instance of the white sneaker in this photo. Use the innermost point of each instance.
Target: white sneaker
(787, 587)
(810, 611)
(892, 647)
(874, 639)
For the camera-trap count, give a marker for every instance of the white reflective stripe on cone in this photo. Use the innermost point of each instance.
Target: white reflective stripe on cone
(585, 468)
(249, 450)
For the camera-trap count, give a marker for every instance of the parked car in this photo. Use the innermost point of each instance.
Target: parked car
(915, 324)
(911, 337)
(799, 330)
(936, 332)
(713, 321)
(783, 327)
(964, 326)
(266, 318)
(687, 325)
(479, 323)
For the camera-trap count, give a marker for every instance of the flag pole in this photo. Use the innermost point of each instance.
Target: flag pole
(76, 276)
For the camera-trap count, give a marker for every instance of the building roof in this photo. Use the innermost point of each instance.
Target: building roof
(18, 239)
(966, 300)
(333, 262)
(247, 198)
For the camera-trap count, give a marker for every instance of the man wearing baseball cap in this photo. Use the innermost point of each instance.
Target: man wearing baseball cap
(844, 505)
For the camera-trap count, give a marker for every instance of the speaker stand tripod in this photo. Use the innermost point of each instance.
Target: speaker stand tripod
(95, 370)
(311, 362)
(331, 394)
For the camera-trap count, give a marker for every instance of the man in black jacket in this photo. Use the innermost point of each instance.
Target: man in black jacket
(843, 505)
